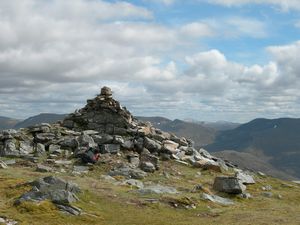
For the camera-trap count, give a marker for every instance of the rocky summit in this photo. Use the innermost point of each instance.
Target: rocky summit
(101, 161)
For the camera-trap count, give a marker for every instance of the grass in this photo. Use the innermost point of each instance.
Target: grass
(106, 204)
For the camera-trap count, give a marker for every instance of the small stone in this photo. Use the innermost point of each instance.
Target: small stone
(267, 194)
(43, 169)
(147, 167)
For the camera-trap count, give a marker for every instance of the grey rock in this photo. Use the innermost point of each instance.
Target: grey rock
(10, 148)
(45, 137)
(267, 188)
(134, 160)
(25, 148)
(80, 169)
(230, 185)
(43, 168)
(40, 150)
(146, 156)
(128, 172)
(158, 189)
(52, 188)
(205, 153)
(267, 194)
(3, 165)
(170, 146)
(103, 139)
(90, 132)
(151, 145)
(110, 148)
(217, 199)
(70, 209)
(86, 141)
(118, 140)
(128, 144)
(244, 177)
(134, 183)
(147, 167)
(246, 195)
(69, 142)
(54, 148)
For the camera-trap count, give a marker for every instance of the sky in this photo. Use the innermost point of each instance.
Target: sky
(206, 60)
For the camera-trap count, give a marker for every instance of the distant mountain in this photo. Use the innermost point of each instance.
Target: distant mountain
(251, 162)
(276, 139)
(220, 125)
(200, 134)
(41, 118)
(7, 123)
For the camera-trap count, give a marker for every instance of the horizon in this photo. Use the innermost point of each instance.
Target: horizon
(209, 60)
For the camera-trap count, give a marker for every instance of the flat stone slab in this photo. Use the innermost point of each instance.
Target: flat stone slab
(217, 199)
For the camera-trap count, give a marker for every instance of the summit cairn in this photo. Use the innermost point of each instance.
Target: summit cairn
(103, 114)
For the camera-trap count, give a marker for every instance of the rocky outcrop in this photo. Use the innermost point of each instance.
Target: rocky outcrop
(57, 190)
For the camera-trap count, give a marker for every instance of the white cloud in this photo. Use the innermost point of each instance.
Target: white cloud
(196, 30)
(59, 53)
(234, 27)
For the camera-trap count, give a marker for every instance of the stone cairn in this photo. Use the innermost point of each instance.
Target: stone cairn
(103, 114)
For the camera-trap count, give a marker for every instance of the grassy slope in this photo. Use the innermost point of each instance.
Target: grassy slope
(108, 204)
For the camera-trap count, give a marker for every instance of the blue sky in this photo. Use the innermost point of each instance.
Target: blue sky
(207, 60)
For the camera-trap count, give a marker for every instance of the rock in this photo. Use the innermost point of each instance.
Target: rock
(151, 145)
(80, 170)
(108, 178)
(63, 162)
(134, 160)
(134, 183)
(8, 134)
(244, 177)
(110, 148)
(43, 169)
(208, 164)
(45, 137)
(54, 149)
(106, 91)
(87, 141)
(204, 153)
(90, 132)
(10, 162)
(267, 194)
(128, 144)
(69, 142)
(3, 165)
(158, 189)
(103, 139)
(43, 128)
(267, 188)
(217, 199)
(128, 172)
(147, 167)
(25, 148)
(230, 185)
(170, 146)
(70, 209)
(10, 148)
(246, 195)
(57, 190)
(146, 156)
(40, 150)
(118, 140)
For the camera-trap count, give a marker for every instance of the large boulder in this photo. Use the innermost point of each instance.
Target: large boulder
(230, 185)
(57, 190)
(244, 177)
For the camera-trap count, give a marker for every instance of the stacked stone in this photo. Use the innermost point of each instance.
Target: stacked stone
(103, 114)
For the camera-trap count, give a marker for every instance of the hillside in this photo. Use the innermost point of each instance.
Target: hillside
(276, 139)
(7, 123)
(201, 135)
(101, 166)
(41, 118)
